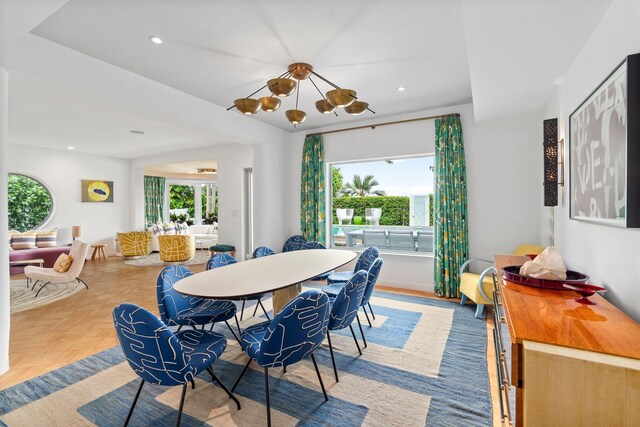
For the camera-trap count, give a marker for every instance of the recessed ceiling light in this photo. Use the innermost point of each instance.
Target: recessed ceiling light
(210, 171)
(71, 148)
(402, 89)
(155, 39)
(137, 132)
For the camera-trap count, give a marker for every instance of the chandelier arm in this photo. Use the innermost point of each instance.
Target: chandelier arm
(320, 92)
(249, 96)
(325, 80)
(297, 93)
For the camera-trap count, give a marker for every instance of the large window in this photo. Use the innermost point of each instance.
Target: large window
(30, 203)
(193, 202)
(387, 204)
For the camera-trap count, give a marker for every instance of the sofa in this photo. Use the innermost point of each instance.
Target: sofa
(199, 232)
(49, 255)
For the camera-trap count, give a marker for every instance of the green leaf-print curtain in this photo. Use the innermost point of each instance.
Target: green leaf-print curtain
(312, 197)
(451, 227)
(153, 199)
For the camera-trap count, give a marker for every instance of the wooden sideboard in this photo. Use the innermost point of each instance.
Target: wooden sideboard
(571, 364)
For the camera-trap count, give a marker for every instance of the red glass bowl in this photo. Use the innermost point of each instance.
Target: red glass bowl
(585, 291)
(512, 274)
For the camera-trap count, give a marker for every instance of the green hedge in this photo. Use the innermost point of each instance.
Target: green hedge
(395, 209)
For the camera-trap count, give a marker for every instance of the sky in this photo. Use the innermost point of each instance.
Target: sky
(405, 177)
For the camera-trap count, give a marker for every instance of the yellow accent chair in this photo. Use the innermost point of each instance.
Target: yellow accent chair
(134, 244)
(176, 249)
(478, 287)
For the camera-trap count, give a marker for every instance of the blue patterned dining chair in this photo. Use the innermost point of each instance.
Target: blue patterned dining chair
(344, 308)
(294, 243)
(372, 279)
(295, 333)
(364, 261)
(180, 310)
(222, 260)
(159, 356)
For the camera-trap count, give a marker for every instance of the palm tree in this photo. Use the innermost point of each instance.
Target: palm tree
(361, 187)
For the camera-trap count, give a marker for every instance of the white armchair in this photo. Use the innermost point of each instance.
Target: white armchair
(372, 216)
(79, 249)
(344, 214)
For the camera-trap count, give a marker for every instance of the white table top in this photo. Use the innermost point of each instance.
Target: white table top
(265, 274)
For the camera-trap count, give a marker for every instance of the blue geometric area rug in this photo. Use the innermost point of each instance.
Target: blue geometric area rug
(425, 364)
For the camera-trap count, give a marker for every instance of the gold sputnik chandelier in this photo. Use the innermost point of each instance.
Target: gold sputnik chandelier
(289, 82)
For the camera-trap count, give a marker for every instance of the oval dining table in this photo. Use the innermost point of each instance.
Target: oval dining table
(282, 274)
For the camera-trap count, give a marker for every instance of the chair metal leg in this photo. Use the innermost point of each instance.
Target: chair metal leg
(479, 311)
(83, 282)
(284, 369)
(135, 400)
(355, 339)
(264, 310)
(361, 332)
(41, 288)
(463, 299)
(315, 365)
(333, 360)
(232, 331)
(366, 314)
(184, 392)
(193, 384)
(242, 312)
(216, 379)
(374, 316)
(266, 387)
(241, 375)
(179, 327)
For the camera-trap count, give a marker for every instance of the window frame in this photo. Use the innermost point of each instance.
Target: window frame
(329, 204)
(47, 187)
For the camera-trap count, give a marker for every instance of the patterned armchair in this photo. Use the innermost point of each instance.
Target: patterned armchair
(134, 244)
(177, 248)
(294, 243)
(159, 356)
(295, 333)
(344, 309)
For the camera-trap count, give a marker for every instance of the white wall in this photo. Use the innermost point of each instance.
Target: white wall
(63, 172)
(608, 254)
(5, 293)
(504, 161)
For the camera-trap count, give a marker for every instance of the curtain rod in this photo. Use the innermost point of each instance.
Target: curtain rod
(397, 122)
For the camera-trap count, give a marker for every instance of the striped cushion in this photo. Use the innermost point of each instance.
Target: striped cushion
(169, 228)
(26, 240)
(47, 239)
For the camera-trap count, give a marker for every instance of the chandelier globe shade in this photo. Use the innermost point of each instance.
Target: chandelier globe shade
(270, 103)
(341, 97)
(247, 106)
(325, 107)
(296, 116)
(282, 87)
(357, 108)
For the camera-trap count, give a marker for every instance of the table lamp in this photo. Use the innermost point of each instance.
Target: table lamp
(76, 231)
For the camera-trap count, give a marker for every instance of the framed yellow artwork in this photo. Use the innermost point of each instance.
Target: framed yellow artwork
(97, 191)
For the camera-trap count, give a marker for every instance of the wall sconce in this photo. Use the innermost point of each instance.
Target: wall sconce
(561, 162)
(550, 147)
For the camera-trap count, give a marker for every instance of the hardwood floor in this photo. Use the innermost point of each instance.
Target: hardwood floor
(63, 332)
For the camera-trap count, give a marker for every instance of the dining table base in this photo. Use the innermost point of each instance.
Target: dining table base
(283, 296)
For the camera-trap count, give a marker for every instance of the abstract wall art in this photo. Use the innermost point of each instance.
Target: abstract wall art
(97, 191)
(604, 150)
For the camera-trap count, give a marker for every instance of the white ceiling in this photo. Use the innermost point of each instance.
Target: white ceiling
(83, 72)
(222, 50)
